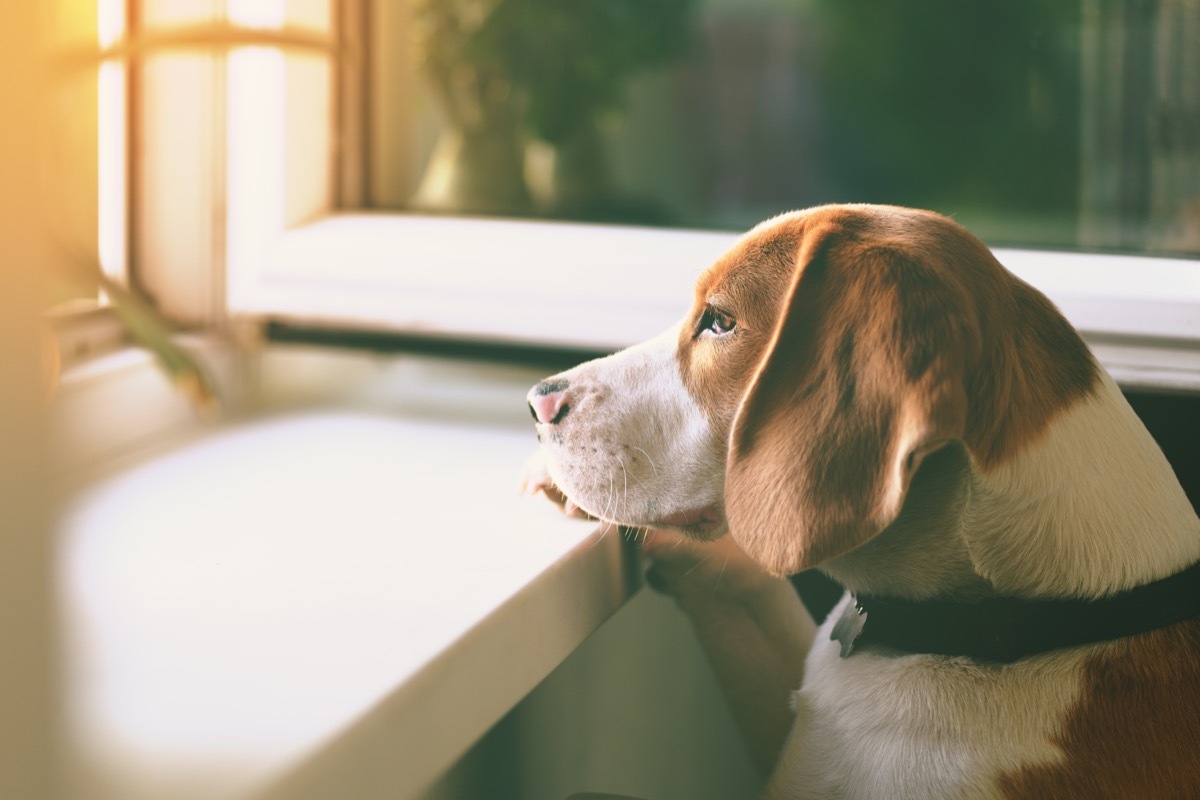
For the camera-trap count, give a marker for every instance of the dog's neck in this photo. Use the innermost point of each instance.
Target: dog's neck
(1090, 509)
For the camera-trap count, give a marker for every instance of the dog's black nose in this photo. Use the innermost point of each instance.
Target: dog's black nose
(548, 402)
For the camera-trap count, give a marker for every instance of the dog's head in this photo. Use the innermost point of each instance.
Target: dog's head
(824, 357)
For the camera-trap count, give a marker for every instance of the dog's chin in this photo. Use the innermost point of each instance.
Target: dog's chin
(704, 524)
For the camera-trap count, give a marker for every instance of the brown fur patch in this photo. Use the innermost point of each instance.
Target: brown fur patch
(852, 383)
(865, 330)
(750, 282)
(1137, 731)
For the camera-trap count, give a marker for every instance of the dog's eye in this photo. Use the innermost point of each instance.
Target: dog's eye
(715, 321)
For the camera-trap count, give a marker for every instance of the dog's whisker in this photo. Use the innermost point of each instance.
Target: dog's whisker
(600, 538)
(637, 480)
(695, 566)
(653, 466)
(721, 574)
(622, 500)
(608, 502)
(625, 499)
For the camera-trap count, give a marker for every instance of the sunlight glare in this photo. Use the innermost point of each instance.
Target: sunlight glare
(257, 13)
(255, 175)
(112, 157)
(111, 164)
(110, 21)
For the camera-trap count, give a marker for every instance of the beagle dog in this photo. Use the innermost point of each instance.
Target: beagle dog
(866, 390)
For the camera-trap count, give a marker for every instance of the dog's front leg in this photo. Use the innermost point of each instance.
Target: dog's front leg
(751, 625)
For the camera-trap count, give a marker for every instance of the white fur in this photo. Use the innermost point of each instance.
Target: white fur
(1090, 510)
(879, 726)
(635, 448)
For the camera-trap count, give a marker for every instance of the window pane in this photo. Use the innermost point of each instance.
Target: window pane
(1060, 123)
(156, 14)
(308, 147)
(278, 147)
(315, 15)
(178, 177)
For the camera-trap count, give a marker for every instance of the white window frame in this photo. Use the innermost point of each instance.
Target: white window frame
(602, 287)
(599, 287)
(568, 285)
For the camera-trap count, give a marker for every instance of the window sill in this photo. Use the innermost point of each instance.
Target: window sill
(85, 330)
(320, 603)
(596, 287)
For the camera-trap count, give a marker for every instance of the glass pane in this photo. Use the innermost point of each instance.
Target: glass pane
(308, 147)
(160, 14)
(279, 147)
(314, 15)
(176, 165)
(112, 144)
(1058, 123)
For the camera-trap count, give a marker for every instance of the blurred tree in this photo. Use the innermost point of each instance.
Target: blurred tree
(953, 104)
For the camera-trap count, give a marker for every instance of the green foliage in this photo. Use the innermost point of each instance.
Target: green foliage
(956, 101)
(558, 64)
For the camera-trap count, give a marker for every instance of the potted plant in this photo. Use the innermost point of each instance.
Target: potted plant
(510, 71)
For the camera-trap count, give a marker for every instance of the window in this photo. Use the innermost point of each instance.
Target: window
(1056, 131)
(1036, 122)
(507, 168)
(169, 154)
(234, 136)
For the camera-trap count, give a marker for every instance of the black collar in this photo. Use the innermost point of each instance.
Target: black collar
(1006, 629)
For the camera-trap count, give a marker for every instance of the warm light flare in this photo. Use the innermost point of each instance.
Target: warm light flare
(257, 13)
(110, 21)
(112, 148)
(255, 179)
(112, 170)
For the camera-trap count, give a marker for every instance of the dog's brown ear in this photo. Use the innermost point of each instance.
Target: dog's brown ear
(864, 375)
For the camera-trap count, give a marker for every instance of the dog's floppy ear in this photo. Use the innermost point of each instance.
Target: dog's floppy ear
(864, 375)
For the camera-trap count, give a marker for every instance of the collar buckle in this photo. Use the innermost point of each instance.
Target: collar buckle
(849, 626)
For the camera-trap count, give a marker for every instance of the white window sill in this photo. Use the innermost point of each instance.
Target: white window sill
(606, 287)
(321, 603)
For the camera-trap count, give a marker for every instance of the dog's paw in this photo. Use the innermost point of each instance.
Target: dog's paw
(699, 574)
(535, 477)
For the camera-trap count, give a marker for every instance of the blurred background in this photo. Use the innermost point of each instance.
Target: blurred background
(1064, 124)
(1034, 122)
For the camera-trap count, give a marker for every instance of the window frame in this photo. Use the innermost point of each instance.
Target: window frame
(1140, 313)
(192, 297)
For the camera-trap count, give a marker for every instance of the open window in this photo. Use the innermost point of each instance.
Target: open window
(549, 175)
